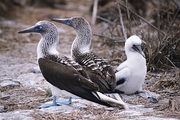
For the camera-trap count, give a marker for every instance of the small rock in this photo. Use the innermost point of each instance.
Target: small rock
(1, 108)
(1, 32)
(8, 83)
(152, 96)
(5, 97)
(153, 100)
(36, 70)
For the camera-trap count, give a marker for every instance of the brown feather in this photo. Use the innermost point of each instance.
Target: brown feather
(98, 70)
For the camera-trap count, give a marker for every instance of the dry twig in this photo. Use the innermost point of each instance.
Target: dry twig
(140, 17)
(129, 19)
(121, 21)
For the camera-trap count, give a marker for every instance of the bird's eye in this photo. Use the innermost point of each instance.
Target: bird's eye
(40, 27)
(68, 22)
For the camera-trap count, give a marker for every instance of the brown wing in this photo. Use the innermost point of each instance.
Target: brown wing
(99, 71)
(67, 68)
(67, 77)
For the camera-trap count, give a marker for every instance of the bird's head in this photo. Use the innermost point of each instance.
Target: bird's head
(133, 44)
(75, 22)
(41, 27)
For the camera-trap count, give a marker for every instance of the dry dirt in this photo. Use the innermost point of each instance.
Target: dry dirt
(23, 90)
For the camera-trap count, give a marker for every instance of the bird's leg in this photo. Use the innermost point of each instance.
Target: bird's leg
(56, 102)
(64, 101)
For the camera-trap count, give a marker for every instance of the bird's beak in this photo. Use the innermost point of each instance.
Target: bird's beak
(138, 49)
(34, 28)
(67, 21)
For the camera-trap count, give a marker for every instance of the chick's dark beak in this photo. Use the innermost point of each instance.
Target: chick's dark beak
(138, 49)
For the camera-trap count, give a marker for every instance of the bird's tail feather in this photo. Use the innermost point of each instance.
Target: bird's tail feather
(113, 102)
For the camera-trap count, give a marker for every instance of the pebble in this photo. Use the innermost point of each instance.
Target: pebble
(8, 83)
(1, 32)
(5, 97)
(1, 108)
(36, 70)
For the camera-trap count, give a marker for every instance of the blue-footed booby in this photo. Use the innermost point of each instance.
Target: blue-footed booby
(97, 68)
(63, 72)
(46, 47)
(130, 74)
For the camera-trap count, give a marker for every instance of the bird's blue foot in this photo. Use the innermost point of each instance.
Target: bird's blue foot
(64, 101)
(56, 102)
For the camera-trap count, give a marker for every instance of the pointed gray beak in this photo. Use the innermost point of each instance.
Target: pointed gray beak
(35, 28)
(67, 21)
(138, 49)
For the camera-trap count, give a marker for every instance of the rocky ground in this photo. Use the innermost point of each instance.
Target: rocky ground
(23, 89)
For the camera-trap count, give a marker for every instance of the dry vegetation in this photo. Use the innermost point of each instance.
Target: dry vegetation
(152, 21)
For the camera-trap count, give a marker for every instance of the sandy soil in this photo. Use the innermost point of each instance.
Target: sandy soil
(23, 90)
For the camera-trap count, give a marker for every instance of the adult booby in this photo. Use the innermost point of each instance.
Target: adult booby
(130, 74)
(62, 72)
(97, 68)
(46, 47)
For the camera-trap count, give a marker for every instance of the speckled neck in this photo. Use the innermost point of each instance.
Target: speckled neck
(82, 42)
(47, 44)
